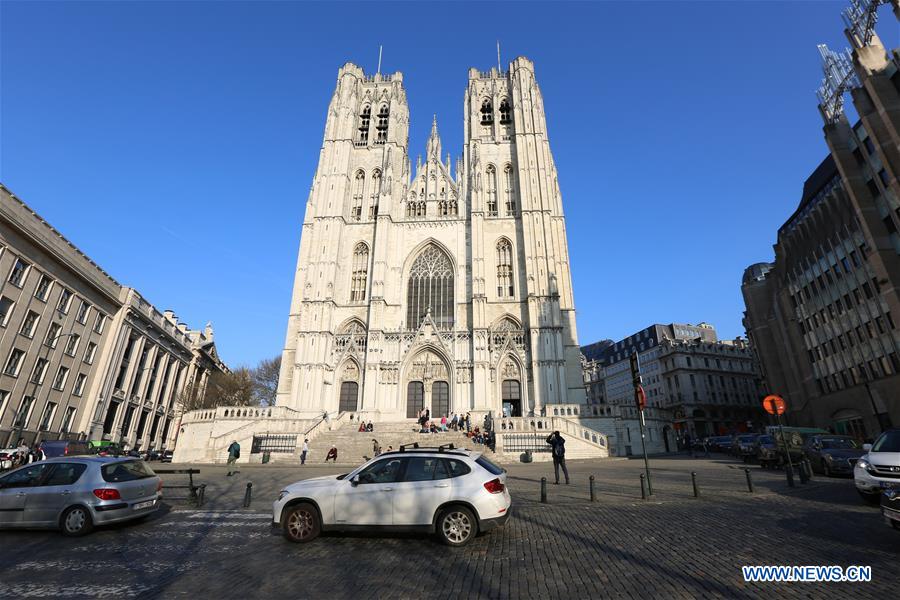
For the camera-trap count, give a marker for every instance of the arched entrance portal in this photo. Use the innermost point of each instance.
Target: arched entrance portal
(428, 380)
(511, 388)
(348, 400)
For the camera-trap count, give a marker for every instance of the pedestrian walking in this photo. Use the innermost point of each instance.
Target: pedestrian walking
(376, 447)
(304, 451)
(234, 453)
(558, 445)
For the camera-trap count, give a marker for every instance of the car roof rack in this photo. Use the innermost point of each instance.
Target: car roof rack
(403, 447)
(414, 447)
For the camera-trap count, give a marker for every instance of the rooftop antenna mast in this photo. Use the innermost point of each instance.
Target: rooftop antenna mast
(839, 78)
(860, 18)
(379, 60)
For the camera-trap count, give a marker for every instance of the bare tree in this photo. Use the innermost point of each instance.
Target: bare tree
(230, 389)
(265, 380)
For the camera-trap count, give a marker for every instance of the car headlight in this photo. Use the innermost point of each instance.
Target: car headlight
(862, 464)
(282, 494)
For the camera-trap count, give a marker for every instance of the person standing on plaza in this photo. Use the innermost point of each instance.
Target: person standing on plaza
(304, 451)
(558, 445)
(376, 447)
(234, 453)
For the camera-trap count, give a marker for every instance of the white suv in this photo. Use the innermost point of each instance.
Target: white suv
(880, 468)
(454, 493)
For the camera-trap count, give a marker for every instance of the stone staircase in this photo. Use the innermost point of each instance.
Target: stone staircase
(355, 447)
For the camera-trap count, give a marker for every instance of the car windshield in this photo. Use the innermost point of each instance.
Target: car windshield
(839, 444)
(126, 471)
(888, 442)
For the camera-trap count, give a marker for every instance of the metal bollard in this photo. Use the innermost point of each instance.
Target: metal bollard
(749, 480)
(593, 495)
(789, 473)
(201, 495)
(809, 470)
(247, 495)
(801, 467)
(643, 487)
(543, 490)
(694, 484)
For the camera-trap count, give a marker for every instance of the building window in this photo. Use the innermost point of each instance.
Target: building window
(504, 269)
(430, 289)
(53, 335)
(99, 323)
(67, 419)
(14, 362)
(382, 127)
(40, 369)
(59, 382)
(358, 185)
(83, 312)
(47, 416)
(78, 388)
(72, 344)
(487, 112)
(376, 191)
(18, 273)
(491, 191)
(510, 195)
(29, 324)
(65, 299)
(43, 288)
(90, 352)
(364, 118)
(24, 412)
(360, 272)
(505, 113)
(6, 306)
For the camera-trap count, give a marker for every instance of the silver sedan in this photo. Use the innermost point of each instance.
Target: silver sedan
(76, 493)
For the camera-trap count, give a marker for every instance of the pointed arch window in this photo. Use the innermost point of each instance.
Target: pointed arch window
(411, 205)
(487, 112)
(382, 126)
(376, 191)
(504, 269)
(491, 191)
(360, 273)
(430, 288)
(510, 196)
(358, 185)
(505, 113)
(364, 118)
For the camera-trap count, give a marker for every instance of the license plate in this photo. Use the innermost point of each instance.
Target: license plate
(888, 485)
(142, 505)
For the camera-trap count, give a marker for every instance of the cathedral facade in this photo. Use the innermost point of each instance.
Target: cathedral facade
(445, 288)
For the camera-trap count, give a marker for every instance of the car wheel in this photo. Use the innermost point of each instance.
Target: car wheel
(895, 524)
(301, 523)
(76, 521)
(871, 498)
(457, 526)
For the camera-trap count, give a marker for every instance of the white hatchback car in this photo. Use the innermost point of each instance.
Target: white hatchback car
(880, 468)
(453, 493)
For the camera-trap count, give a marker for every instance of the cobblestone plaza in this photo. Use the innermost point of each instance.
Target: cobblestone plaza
(671, 545)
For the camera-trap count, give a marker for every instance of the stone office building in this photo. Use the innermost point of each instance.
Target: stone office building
(84, 357)
(823, 316)
(695, 385)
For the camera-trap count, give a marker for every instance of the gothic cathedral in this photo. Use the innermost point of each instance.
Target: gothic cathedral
(447, 289)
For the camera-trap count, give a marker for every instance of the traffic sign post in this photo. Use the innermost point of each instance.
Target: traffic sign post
(775, 405)
(640, 400)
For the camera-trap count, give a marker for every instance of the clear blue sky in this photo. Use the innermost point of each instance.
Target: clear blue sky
(175, 143)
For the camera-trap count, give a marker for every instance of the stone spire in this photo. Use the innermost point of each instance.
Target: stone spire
(434, 141)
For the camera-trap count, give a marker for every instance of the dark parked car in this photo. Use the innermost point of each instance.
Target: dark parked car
(721, 443)
(832, 454)
(166, 456)
(152, 454)
(766, 452)
(890, 506)
(54, 448)
(742, 446)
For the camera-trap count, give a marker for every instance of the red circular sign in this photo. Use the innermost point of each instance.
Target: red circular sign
(641, 398)
(774, 405)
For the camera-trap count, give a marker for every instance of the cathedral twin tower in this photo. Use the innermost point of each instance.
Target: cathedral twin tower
(447, 290)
